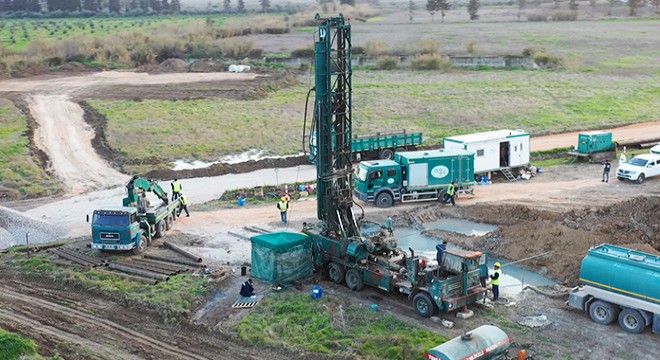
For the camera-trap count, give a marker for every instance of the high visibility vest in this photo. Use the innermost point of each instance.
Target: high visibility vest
(499, 277)
(451, 189)
(283, 206)
(184, 200)
(176, 186)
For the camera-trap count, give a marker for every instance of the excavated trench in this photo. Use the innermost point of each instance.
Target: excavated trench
(523, 232)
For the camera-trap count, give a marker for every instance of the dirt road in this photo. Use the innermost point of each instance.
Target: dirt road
(67, 140)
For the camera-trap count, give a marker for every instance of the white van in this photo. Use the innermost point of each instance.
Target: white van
(639, 168)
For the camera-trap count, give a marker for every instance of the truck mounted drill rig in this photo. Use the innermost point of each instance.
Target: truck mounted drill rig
(338, 246)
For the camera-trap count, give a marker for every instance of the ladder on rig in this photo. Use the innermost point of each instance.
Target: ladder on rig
(509, 176)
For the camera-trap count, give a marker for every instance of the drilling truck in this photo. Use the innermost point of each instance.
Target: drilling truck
(133, 225)
(619, 284)
(338, 248)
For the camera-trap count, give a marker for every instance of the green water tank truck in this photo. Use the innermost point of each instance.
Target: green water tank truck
(619, 284)
(414, 176)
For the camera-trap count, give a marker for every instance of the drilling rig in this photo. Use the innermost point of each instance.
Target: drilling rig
(338, 246)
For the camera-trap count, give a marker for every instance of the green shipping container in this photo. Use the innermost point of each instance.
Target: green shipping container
(594, 141)
(281, 257)
(432, 168)
(624, 271)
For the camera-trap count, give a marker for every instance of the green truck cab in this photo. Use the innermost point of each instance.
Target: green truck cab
(133, 225)
(414, 176)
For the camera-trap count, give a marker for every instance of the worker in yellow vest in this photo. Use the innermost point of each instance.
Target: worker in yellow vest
(183, 199)
(495, 281)
(283, 205)
(451, 190)
(176, 189)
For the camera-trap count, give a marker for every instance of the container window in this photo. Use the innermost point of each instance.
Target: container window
(480, 152)
(391, 172)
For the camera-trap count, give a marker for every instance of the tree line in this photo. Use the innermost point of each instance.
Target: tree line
(91, 6)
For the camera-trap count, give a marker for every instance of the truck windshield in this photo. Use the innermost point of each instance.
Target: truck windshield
(637, 162)
(362, 173)
(110, 219)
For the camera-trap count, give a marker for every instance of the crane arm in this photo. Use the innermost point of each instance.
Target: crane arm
(143, 184)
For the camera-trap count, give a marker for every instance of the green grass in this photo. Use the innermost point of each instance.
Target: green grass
(171, 299)
(329, 326)
(434, 103)
(14, 347)
(18, 169)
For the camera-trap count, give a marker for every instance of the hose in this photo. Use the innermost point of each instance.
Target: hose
(552, 295)
(304, 135)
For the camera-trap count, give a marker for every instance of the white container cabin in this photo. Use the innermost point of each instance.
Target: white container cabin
(494, 150)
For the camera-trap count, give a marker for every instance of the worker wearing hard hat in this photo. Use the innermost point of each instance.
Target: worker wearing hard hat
(496, 277)
(283, 206)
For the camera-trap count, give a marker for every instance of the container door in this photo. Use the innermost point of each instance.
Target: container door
(505, 154)
(418, 175)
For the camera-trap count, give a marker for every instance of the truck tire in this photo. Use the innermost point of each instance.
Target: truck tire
(160, 229)
(640, 178)
(384, 200)
(603, 312)
(399, 149)
(443, 197)
(141, 246)
(336, 273)
(423, 304)
(620, 178)
(387, 154)
(631, 321)
(354, 280)
(169, 222)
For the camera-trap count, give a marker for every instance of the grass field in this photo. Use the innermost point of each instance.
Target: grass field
(14, 347)
(437, 104)
(328, 325)
(18, 170)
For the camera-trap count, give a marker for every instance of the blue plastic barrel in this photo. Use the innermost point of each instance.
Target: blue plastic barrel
(317, 292)
(241, 201)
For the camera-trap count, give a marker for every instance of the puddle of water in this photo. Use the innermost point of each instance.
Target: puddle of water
(253, 154)
(461, 226)
(217, 297)
(514, 277)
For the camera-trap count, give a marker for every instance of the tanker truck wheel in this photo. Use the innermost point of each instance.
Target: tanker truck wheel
(631, 321)
(603, 312)
(423, 304)
(354, 280)
(336, 273)
(141, 246)
(384, 200)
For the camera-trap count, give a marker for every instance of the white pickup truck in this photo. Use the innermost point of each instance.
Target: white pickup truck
(639, 168)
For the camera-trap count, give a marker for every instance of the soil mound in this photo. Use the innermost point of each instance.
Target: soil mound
(14, 225)
(207, 65)
(173, 65)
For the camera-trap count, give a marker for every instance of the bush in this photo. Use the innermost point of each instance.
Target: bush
(303, 53)
(376, 47)
(358, 50)
(387, 63)
(537, 17)
(430, 62)
(429, 46)
(565, 15)
(471, 47)
(546, 61)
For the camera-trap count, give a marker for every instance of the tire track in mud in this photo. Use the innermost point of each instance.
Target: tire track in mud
(108, 326)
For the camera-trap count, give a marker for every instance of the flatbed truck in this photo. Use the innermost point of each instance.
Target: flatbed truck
(380, 145)
(133, 225)
(621, 284)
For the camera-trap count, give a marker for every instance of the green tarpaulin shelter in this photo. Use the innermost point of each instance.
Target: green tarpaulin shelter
(281, 257)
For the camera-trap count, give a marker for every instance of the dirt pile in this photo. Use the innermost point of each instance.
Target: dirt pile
(207, 65)
(172, 65)
(14, 225)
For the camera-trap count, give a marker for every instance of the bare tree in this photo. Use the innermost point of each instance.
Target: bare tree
(557, 4)
(265, 5)
(473, 9)
(226, 5)
(633, 5)
(241, 6)
(412, 7)
(521, 6)
(611, 4)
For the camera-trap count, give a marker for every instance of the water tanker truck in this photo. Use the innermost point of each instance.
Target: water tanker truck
(133, 225)
(619, 284)
(414, 176)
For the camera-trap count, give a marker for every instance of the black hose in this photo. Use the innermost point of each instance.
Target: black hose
(304, 135)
